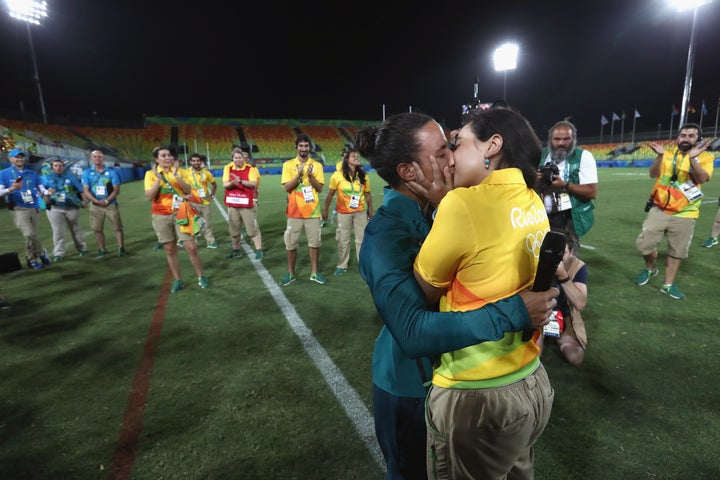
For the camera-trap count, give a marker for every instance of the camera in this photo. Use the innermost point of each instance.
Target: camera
(548, 171)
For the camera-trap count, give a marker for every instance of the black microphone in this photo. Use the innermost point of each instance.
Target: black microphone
(552, 251)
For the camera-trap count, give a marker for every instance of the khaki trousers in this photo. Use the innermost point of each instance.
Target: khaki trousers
(347, 222)
(59, 217)
(26, 220)
(487, 434)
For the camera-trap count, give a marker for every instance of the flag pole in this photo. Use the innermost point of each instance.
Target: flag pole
(632, 139)
(717, 111)
(702, 113)
(622, 127)
(612, 128)
(672, 115)
(601, 131)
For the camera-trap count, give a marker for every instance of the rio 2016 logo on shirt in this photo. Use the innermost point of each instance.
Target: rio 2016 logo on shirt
(533, 242)
(525, 218)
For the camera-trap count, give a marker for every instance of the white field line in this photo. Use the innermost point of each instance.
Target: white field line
(349, 399)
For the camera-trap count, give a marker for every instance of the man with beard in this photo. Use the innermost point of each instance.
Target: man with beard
(674, 204)
(204, 187)
(303, 179)
(570, 182)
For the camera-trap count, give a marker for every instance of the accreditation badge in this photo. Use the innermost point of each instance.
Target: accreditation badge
(564, 202)
(354, 201)
(691, 191)
(27, 197)
(555, 326)
(308, 194)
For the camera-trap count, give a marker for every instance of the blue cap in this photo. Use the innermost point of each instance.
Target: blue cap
(16, 152)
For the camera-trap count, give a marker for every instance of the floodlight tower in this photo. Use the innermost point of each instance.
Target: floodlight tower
(682, 5)
(505, 58)
(31, 12)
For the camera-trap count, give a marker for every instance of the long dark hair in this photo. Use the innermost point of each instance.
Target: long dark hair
(359, 172)
(521, 147)
(391, 144)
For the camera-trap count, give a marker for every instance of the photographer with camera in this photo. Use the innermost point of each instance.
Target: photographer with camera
(567, 182)
(674, 204)
(569, 329)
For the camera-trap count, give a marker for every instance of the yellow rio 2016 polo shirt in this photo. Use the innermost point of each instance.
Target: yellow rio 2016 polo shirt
(298, 205)
(484, 246)
(163, 203)
(346, 190)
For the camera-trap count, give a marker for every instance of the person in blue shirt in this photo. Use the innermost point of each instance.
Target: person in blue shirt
(65, 192)
(24, 193)
(413, 334)
(101, 186)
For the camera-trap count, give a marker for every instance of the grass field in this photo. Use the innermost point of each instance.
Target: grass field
(105, 375)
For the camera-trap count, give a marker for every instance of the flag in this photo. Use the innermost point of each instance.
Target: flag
(637, 114)
(604, 121)
(615, 117)
(676, 112)
(691, 109)
(704, 109)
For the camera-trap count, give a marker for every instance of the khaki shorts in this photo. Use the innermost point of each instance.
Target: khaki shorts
(295, 227)
(98, 215)
(657, 224)
(167, 230)
(237, 217)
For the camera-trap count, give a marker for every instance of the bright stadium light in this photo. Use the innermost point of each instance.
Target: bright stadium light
(681, 6)
(30, 11)
(505, 59)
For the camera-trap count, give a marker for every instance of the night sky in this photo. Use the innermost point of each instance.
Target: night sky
(344, 60)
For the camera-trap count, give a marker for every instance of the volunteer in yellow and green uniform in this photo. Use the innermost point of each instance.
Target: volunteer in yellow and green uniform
(166, 189)
(303, 179)
(240, 181)
(204, 187)
(489, 402)
(674, 204)
(354, 206)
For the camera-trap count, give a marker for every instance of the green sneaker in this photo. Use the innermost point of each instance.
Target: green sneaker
(234, 254)
(101, 253)
(318, 278)
(673, 291)
(203, 282)
(287, 280)
(212, 245)
(258, 255)
(158, 246)
(82, 253)
(339, 271)
(57, 258)
(645, 275)
(122, 252)
(710, 242)
(177, 286)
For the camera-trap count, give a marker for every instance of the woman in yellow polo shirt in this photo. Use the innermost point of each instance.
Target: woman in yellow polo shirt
(166, 189)
(354, 206)
(489, 402)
